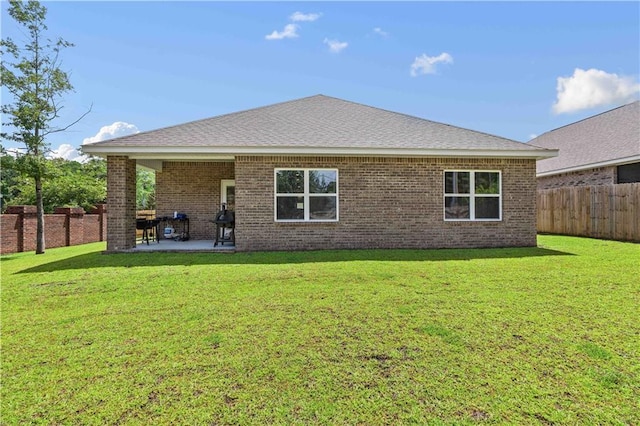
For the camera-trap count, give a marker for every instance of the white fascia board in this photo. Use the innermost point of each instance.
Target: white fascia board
(228, 153)
(616, 162)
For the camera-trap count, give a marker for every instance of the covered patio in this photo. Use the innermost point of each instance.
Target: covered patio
(189, 195)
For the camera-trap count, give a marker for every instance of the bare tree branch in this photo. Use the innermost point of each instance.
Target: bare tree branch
(70, 125)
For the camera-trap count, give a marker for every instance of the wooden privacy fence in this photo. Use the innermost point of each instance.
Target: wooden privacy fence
(607, 211)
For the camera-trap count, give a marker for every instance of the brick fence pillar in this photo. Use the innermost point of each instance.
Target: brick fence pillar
(26, 226)
(74, 224)
(121, 199)
(100, 209)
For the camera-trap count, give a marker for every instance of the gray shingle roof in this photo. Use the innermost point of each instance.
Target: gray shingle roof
(321, 122)
(610, 137)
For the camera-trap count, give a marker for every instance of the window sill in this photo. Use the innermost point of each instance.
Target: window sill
(306, 222)
(473, 220)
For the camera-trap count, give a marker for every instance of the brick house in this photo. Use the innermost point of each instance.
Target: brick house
(599, 150)
(324, 173)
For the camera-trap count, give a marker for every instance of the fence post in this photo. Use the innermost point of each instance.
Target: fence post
(74, 224)
(26, 226)
(101, 210)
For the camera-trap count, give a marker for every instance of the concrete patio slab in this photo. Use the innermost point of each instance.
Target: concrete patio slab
(205, 246)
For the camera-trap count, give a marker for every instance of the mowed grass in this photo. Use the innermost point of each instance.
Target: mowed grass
(547, 335)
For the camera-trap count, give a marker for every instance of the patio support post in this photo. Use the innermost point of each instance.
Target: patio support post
(121, 203)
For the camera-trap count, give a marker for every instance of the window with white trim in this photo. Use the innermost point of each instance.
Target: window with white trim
(306, 195)
(472, 195)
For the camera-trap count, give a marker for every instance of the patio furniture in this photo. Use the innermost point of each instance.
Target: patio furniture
(180, 224)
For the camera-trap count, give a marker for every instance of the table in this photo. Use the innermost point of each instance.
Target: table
(181, 226)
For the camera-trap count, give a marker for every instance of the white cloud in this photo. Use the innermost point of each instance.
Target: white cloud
(304, 17)
(68, 152)
(593, 88)
(115, 130)
(290, 31)
(427, 64)
(532, 136)
(380, 32)
(336, 46)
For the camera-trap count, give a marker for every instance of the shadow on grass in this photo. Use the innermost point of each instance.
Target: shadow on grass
(128, 260)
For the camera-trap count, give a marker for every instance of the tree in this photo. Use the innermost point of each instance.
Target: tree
(145, 189)
(68, 184)
(36, 84)
(9, 179)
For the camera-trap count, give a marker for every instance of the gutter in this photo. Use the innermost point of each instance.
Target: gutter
(229, 153)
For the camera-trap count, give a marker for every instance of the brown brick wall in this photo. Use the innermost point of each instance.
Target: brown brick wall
(91, 229)
(19, 229)
(11, 229)
(69, 226)
(591, 177)
(384, 203)
(29, 226)
(121, 199)
(55, 231)
(95, 224)
(73, 223)
(192, 188)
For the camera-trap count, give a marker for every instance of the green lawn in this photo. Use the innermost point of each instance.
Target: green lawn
(547, 335)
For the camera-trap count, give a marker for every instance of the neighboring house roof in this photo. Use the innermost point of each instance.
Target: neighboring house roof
(610, 138)
(316, 125)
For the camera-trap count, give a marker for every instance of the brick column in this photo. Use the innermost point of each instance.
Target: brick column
(27, 231)
(26, 227)
(74, 224)
(101, 209)
(121, 202)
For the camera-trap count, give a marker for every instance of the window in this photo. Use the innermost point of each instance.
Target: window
(629, 173)
(472, 195)
(306, 195)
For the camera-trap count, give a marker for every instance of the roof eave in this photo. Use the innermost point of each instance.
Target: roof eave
(222, 153)
(615, 162)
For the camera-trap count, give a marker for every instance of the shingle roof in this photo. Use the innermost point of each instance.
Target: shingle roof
(317, 122)
(608, 138)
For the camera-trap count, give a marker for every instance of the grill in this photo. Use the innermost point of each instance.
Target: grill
(149, 228)
(225, 224)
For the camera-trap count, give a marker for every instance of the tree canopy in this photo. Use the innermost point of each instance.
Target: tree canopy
(69, 184)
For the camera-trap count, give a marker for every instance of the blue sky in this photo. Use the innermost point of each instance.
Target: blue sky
(511, 69)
